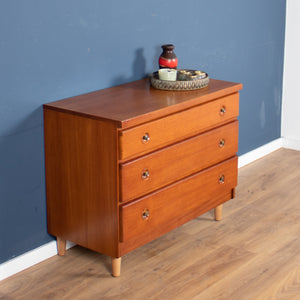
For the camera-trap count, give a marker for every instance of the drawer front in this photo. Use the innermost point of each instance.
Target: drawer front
(158, 169)
(165, 210)
(159, 133)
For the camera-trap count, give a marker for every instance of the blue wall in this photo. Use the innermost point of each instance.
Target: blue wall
(50, 50)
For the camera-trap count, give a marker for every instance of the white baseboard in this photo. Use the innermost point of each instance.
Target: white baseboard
(260, 152)
(29, 259)
(39, 254)
(291, 144)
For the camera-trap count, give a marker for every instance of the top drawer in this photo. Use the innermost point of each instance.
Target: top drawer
(159, 133)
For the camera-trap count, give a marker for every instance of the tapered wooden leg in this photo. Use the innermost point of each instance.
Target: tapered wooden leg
(61, 246)
(116, 266)
(233, 193)
(218, 212)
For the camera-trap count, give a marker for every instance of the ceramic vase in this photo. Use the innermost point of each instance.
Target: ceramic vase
(168, 58)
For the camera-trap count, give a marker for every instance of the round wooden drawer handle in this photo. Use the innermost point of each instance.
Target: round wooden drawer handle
(146, 138)
(222, 110)
(145, 174)
(221, 179)
(145, 214)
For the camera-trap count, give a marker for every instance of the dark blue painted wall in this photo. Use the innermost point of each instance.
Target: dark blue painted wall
(50, 50)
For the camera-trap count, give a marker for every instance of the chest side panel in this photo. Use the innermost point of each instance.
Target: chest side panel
(82, 180)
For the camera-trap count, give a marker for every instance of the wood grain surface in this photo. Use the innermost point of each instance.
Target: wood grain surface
(143, 103)
(82, 179)
(87, 137)
(177, 161)
(252, 254)
(178, 203)
(175, 127)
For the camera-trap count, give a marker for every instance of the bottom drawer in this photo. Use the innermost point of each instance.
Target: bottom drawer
(166, 209)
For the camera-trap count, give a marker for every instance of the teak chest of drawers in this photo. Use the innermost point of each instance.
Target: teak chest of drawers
(126, 164)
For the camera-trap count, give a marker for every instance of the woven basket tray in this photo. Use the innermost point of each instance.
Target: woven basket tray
(179, 85)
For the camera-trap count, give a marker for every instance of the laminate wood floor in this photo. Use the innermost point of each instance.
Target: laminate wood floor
(253, 253)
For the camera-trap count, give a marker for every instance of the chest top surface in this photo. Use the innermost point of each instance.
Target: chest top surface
(137, 102)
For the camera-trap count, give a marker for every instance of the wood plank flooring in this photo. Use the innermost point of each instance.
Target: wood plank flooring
(253, 253)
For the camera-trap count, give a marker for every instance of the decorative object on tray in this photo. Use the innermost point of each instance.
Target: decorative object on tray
(185, 80)
(168, 58)
(167, 74)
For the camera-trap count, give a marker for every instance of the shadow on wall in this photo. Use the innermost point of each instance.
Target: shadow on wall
(22, 188)
(139, 67)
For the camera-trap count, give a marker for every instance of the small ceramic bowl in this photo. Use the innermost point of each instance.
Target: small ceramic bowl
(167, 74)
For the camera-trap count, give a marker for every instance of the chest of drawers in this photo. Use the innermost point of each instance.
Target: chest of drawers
(127, 164)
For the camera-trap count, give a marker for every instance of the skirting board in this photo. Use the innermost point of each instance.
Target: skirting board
(260, 152)
(48, 250)
(291, 144)
(29, 259)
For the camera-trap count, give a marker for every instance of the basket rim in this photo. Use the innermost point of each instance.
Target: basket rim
(179, 85)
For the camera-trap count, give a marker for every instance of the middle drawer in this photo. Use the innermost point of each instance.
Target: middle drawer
(153, 171)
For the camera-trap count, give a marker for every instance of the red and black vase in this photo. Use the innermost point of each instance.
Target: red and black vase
(168, 59)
